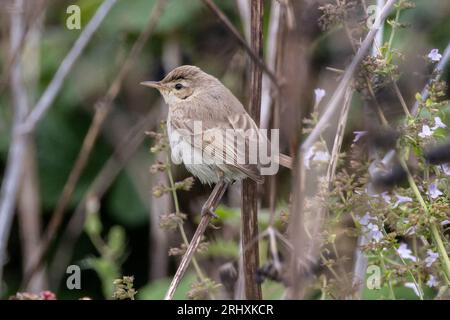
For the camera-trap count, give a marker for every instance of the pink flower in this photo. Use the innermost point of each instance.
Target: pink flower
(47, 295)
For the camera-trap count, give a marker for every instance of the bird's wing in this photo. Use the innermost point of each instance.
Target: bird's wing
(223, 137)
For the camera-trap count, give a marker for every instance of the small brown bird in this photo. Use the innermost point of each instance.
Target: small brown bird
(202, 113)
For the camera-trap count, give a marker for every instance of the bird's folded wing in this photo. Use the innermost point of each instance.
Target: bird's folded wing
(225, 140)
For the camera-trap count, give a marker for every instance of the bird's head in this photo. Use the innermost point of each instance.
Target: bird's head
(181, 83)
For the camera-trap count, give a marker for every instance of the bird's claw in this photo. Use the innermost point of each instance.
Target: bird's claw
(209, 211)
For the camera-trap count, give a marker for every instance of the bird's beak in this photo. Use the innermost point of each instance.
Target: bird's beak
(152, 84)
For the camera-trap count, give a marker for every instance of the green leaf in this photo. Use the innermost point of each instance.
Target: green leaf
(157, 289)
(106, 271)
(223, 249)
(125, 205)
(93, 225)
(59, 139)
(272, 290)
(116, 240)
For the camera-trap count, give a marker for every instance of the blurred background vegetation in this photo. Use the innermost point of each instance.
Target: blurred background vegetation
(118, 237)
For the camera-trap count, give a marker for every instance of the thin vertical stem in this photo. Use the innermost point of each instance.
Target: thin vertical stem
(249, 188)
(180, 224)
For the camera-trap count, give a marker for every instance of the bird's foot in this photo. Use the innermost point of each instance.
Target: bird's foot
(209, 211)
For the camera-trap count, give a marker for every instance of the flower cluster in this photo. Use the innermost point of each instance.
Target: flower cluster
(123, 288)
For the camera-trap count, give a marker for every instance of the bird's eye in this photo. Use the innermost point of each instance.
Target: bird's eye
(178, 86)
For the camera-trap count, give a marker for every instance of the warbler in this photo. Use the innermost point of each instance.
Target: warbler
(209, 130)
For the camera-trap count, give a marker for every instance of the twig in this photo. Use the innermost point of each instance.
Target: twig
(378, 42)
(14, 166)
(244, 12)
(438, 69)
(209, 206)
(103, 107)
(35, 18)
(272, 48)
(199, 272)
(249, 216)
(187, 257)
(298, 223)
(360, 259)
(223, 18)
(333, 105)
(55, 85)
(28, 200)
(334, 158)
(124, 150)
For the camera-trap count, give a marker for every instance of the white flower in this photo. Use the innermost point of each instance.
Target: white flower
(321, 156)
(358, 135)
(386, 197)
(319, 94)
(405, 253)
(413, 286)
(434, 55)
(445, 222)
(365, 219)
(431, 257)
(426, 131)
(432, 282)
(438, 123)
(374, 232)
(400, 200)
(307, 157)
(433, 191)
(315, 155)
(445, 169)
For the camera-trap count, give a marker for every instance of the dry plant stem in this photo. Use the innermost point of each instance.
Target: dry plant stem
(272, 52)
(313, 249)
(360, 259)
(103, 107)
(297, 225)
(35, 20)
(223, 18)
(244, 12)
(55, 85)
(296, 229)
(212, 203)
(438, 69)
(333, 105)
(14, 166)
(400, 98)
(125, 149)
(29, 215)
(249, 216)
(200, 274)
(331, 170)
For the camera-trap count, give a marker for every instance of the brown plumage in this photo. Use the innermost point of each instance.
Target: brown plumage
(195, 97)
